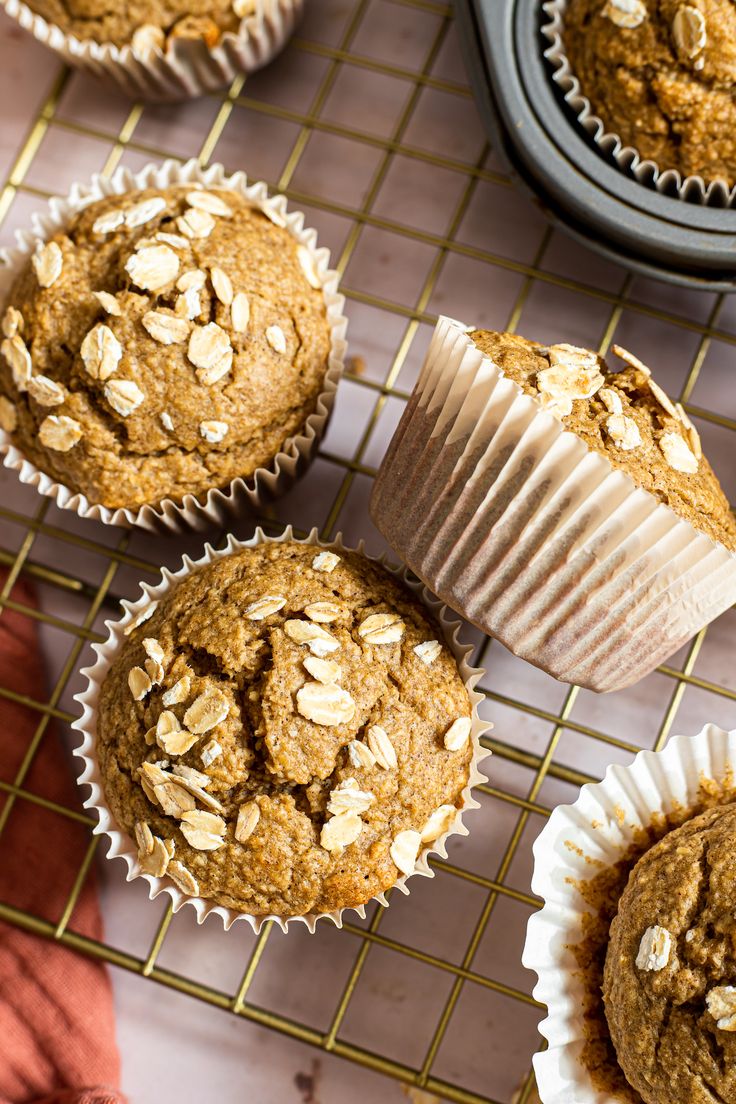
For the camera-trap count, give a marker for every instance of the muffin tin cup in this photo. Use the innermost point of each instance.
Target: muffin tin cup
(187, 68)
(538, 141)
(577, 841)
(215, 506)
(647, 172)
(122, 846)
(516, 524)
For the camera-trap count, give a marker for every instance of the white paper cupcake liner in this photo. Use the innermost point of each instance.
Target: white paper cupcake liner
(516, 524)
(215, 506)
(669, 182)
(122, 846)
(578, 840)
(187, 68)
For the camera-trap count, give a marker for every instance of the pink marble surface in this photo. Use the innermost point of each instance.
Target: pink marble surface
(167, 1039)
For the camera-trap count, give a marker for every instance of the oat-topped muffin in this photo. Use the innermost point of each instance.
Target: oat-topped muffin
(145, 23)
(622, 413)
(285, 731)
(660, 73)
(563, 507)
(670, 974)
(167, 342)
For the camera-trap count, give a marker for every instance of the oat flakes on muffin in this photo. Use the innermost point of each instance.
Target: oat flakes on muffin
(166, 342)
(619, 410)
(670, 973)
(662, 75)
(284, 732)
(145, 24)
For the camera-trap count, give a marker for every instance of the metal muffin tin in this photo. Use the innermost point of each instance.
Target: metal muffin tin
(581, 191)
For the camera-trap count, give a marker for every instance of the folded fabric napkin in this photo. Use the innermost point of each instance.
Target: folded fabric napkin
(57, 1030)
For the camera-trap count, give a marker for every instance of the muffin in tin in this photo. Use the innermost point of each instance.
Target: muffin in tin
(284, 731)
(165, 342)
(660, 75)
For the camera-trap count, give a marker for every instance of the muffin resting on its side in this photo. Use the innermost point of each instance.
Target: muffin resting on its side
(624, 415)
(661, 74)
(167, 342)
(670, 974)
(145, 23)
(285, 731)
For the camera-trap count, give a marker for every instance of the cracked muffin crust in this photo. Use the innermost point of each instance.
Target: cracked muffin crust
(660, 74)
(145, 23)
(166, 342)
(670, 973)
(285, 731)
(623, 414)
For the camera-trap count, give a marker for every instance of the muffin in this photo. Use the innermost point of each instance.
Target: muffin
(163, 343)
(661, 76)
(618, 410)
(670, 973)
(283, 731)
(633, 946)
(170, 50)
(148, 24)
(559, 502)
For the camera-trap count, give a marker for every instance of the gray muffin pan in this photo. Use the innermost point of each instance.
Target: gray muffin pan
(578, 188)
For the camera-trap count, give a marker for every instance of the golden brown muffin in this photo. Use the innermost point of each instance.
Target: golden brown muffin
(660, 73)
(670, 974)
(166, 342)
(145, 23)
(306, 703)
(624, 415)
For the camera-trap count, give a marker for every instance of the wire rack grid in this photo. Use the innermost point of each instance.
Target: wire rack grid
(362, 163)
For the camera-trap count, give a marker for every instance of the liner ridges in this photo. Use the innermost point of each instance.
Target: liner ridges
(536, 538)
(187, 68)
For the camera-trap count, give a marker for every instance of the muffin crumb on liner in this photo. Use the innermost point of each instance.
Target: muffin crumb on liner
(188, 68)
(668, 182)
(216, 505)
(578, 841)
(122, 846)
(533, 537)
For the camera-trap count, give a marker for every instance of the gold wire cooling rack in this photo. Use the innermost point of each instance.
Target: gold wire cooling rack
(547, 742)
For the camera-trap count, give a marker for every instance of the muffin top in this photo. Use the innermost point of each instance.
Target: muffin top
(285, 731)
(661, 73)
(624, 415)
(145, 24)
(670, 975)
(165, 342)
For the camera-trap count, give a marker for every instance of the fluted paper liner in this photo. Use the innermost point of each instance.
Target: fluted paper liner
(601, 826)
(122, 846)
(215, 506)
(515, 523)
(187, 68)
(647, 172)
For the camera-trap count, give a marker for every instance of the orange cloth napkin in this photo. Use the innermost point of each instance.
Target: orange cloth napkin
(57, 1029)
